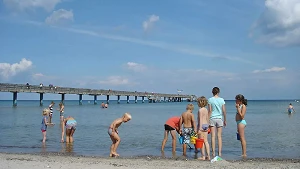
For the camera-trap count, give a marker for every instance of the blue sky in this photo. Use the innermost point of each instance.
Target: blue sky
(242, 46)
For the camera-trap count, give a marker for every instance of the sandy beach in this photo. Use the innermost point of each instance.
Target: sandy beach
(35, 161)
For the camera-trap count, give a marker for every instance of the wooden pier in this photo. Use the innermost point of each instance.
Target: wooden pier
(41, 90)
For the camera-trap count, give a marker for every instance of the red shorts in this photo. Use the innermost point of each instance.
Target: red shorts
(44, 131)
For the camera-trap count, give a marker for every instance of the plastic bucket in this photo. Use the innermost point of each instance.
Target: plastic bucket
(193, 140)
(199, 143)
(180, 139)
(238, 136)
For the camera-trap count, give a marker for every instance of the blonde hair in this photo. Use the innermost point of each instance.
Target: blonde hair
(46, 112)
(190, 107)
(202, 101)
(127, 115)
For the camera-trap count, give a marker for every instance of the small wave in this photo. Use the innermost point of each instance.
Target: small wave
(3, 146)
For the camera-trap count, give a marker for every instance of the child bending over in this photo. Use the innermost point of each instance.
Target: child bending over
(70, 124)
(114, 135)
(189, 125)
(171, 125)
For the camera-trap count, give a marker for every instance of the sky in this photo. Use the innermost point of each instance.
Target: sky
(241, 46)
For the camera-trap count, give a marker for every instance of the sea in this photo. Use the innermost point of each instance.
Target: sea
(270, 133)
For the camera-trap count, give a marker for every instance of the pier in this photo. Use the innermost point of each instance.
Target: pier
(41, 90)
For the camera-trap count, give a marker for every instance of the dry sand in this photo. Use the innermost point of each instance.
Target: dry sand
(33, 161)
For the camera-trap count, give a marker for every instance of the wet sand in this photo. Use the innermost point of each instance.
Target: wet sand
(60, 161)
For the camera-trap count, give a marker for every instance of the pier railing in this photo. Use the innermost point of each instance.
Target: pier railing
(7, 87)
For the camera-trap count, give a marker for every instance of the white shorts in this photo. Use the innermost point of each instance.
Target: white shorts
(216, 123)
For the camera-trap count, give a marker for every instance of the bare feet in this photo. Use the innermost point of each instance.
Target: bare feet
(207, 158)
(213, 154)
(116, 155)
(201, 158)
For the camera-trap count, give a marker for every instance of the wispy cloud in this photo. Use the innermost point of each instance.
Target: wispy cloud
(157, 44)
(148, 24)
(22, 5)
(137, 67)
(60, 17)
(162, 45)
(116, 81)
(273, 69)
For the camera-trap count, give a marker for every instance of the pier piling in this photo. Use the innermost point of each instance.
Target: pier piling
(41, 99)
(127, 99)
(15, 97)
(119, 99)
(80, 99)
(62, 97)
(143, 99)
(107, 99)
(135, 99)
(95, 99)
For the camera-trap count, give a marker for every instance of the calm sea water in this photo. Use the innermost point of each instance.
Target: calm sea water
(270, 132)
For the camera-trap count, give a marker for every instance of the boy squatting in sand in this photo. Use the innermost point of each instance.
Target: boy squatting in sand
(114, 135)
(203, 126)
(189, 125)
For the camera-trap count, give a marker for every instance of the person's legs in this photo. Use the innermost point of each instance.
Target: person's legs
(203, 148)
(173, 134)
(184, 148)
(219, 132)
(219, 125)
(71, 135)
(44, 136)
(112, 147)
(213, 136)
(68, 133)
(241, 130)
(164, 140)
(205, 134)
(118, 140)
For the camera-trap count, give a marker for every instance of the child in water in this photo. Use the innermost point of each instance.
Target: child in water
(189, 125)
(171, 125)
(114, 135)
(70, 124)
(203, 127)
(45, 123)
(291, 108)
(240, 105)
(61, 111)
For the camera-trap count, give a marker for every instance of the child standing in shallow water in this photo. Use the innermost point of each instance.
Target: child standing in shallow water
(114, 135)
(189, 125)
(203, 126)
(44, 123)
(240, 105)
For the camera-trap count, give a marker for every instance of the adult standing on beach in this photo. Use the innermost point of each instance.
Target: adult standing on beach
(216, 111)
(51, 111)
